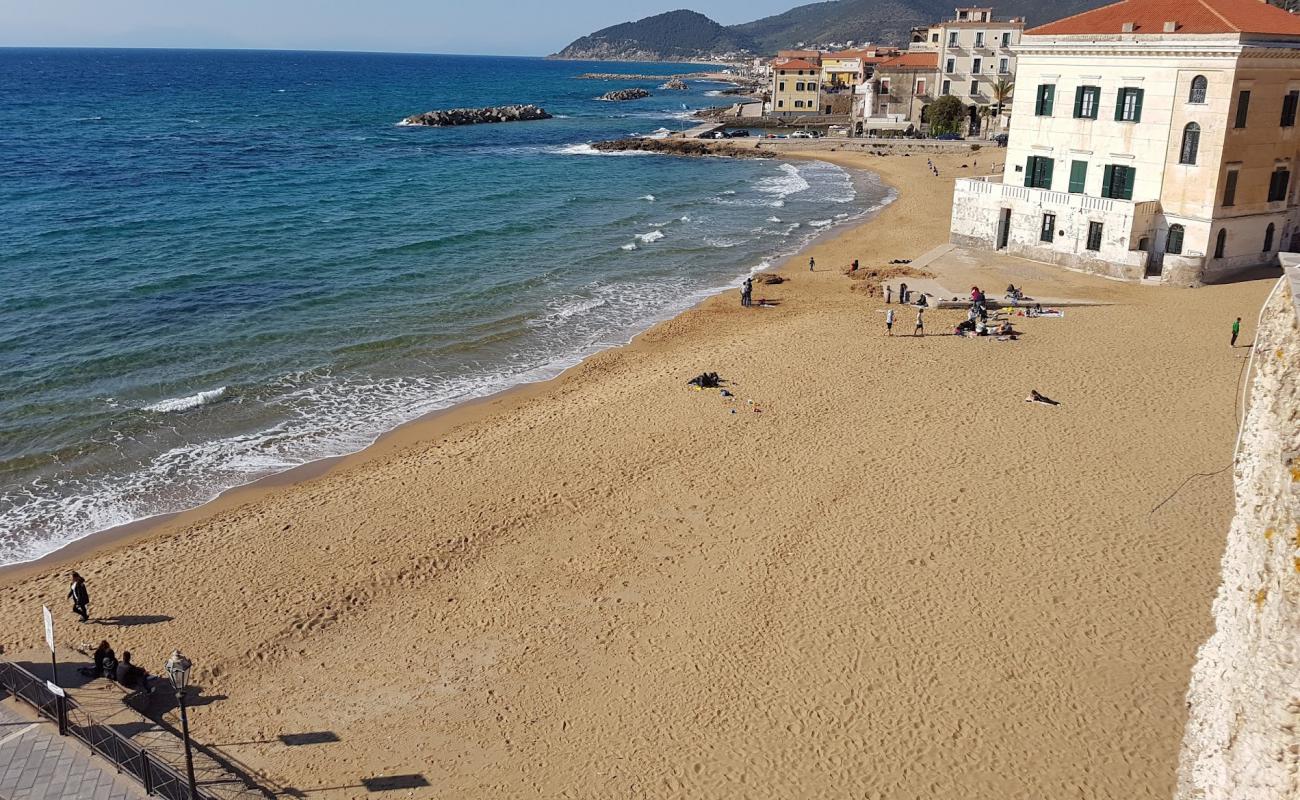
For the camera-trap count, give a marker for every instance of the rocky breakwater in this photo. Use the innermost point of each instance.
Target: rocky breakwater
(676, 84)
(625, 94)
(678, 147)
(477, 116)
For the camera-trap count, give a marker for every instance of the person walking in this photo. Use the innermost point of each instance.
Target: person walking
(889, 293)
(902, 293)
(80, 597)
(1236, 329)
(812, 264)
(855, 266)
(920, 323)
(889, 322)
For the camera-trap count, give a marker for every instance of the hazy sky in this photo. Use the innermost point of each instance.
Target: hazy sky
(504, 27)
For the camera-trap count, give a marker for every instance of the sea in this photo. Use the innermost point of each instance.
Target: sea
(219, 265)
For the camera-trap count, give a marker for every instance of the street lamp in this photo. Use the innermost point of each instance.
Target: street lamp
(178, 672)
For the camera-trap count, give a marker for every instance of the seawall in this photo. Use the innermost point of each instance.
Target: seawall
(1243, 729)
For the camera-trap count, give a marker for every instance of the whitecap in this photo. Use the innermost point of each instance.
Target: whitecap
(686, 218)
(652, 236)
(175, 404)
(648, 197)
(820, 223)
(789, 182)
(773, 219)
(628, 246)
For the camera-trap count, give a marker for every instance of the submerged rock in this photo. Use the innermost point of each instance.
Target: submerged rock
(477, 116)
(625, 94)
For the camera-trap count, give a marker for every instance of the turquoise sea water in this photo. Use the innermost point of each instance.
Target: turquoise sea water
(219, 265)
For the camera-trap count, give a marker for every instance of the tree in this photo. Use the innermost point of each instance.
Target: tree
(946, 115)
(1002, 93)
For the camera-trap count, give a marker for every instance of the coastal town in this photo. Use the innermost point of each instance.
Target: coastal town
(857, 523)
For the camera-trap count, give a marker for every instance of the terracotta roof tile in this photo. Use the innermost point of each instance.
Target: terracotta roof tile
(1192, 16)
(911, 60)
(796, 64)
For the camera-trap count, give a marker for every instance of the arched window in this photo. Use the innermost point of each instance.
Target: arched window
(1191, 143)
(1268, 237)
(1197, 95)
(1220, 242)
(1174, 242)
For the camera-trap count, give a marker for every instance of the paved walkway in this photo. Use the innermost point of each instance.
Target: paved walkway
(38, 764)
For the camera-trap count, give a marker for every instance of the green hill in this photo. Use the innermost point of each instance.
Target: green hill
(675, 35)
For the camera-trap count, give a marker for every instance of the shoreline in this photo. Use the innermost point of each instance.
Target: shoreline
(433, 425)
(873, 553)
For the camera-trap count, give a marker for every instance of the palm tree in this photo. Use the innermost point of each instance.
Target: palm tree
(1002, 93)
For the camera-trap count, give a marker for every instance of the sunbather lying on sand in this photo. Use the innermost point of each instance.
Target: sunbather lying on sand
(1035, 397)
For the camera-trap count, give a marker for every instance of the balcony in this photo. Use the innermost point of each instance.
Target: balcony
(993, 187)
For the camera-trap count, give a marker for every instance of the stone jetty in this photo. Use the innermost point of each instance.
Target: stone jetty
(676, 84)
(477, 116)
(679, 147)
(625, 94)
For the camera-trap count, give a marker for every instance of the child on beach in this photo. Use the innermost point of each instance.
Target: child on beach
(889, 322)
(920, 323)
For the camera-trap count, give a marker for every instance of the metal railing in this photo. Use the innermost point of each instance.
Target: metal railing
(127, 757)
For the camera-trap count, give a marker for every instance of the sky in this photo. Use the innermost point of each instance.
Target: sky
(487, 27)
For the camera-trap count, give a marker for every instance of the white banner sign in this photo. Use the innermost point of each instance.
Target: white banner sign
(49, 627)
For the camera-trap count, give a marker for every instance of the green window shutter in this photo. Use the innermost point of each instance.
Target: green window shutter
(1137, 105)
(1048, 100)
(1129, 174)
(1078, 176)
(1078, 102)
(1096, 100)
(1046, 182)
(1029, 170)
(1119, 106)
(1106, 174)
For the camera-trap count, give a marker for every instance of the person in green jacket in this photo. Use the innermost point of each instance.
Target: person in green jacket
(1236, 329)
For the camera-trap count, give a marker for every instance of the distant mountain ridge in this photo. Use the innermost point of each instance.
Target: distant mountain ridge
(687, 35)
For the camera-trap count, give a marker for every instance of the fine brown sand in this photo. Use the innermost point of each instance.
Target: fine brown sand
(896, 580)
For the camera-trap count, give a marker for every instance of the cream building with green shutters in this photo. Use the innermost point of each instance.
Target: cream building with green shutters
(1149, 139)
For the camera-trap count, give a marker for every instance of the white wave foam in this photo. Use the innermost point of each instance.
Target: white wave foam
(628, 246)
(730, 191)
(652, 236)
(789, 182)
(821, 223)
(777, 204)
(773, 219)
(175, 404)
(648, 197)
(686, 218)
(586, 149)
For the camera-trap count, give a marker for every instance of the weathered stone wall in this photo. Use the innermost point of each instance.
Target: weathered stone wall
(1243, 729)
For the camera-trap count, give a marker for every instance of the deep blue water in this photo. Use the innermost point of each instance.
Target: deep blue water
(216, 265)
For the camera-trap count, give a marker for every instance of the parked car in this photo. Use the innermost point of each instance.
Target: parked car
(716, 135)
(739, 133)
(949, 137)
(804, 135)
(1000, 140)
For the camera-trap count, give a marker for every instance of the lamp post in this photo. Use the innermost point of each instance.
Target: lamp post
(178, 672)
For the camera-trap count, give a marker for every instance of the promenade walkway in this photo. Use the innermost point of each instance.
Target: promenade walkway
(38, 764)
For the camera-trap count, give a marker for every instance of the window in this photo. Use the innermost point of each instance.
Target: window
(952, 38)
(1230, 188)
(1288, 109)
(1243, 108)
(1278, 183)
(979, 38)
(1128, 105)
(798, 104)
(1038, 172)
(1197, 94)
(1174, 241)
(1117, 182)
(934, 37)
(1268, 237)
(798, 87)
(1003, 66)
(1006, 39)
(1049, 228)
(1043, 103)
(920, 86)
(1086, 101)
(975, 64)
(1094, 236)
(952, 65)
(974, 87)
(780, 104)
(780, 87)
(884, 87)
(947, 87)
(1221, 242)
(1191, 142)
(1078, 176)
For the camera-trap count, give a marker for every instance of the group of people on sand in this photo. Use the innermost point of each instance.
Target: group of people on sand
(919, 330)
(106, 662)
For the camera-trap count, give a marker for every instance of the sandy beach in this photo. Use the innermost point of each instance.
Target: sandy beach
(886, 577)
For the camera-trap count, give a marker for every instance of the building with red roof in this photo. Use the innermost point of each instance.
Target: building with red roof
(1149, 139)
